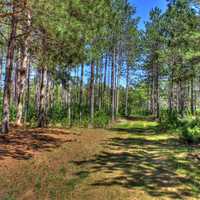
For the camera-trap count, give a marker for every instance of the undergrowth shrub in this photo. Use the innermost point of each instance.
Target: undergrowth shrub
(169, 120)
(101, 119)
(187, 125)
(190, 128)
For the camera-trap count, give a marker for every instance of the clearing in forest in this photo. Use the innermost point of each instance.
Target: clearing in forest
(133, 161)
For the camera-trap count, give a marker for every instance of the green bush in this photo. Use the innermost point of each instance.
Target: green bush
(190, 128)
(84, 122)
(58, 115)
(32, 115)
(169, 120)
(101, 119)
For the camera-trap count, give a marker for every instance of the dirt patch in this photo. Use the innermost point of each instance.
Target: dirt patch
(21, 145)
(30, 158)
(24, 144)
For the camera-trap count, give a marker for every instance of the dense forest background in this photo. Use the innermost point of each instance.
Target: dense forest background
(87, 62)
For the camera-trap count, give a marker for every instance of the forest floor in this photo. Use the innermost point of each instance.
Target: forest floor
(131, 161)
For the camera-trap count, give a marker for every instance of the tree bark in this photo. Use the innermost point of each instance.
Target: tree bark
(155, 90)
(105, 73)
(100, 85)
(42, 121)
(92, 93)
(118, 85)
(16, 80)
(27, 101)
(113, 87)
(1, 67)
(171, 93)
(69, 103)
(8, 74)
(127, 90)
(105, 83)
(181, 97)
(157, 101)
(81, 92)
(23, 69)
(192, 96)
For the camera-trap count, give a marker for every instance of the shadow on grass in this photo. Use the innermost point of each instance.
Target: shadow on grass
(22, 144)
(143, 118)
(137, 130)
(141, 129)
(159, 167)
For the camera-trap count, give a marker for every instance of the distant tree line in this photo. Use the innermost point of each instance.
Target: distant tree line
(62, 61)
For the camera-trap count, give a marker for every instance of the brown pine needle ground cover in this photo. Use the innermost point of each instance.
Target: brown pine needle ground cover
(131, 161)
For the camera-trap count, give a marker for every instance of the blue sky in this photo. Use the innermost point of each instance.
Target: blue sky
(145, 6)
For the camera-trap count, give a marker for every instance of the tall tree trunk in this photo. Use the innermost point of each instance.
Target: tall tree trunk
(105, 73)
(113, 87)
(23, 69)
(8, 74)
(192, 96)
(16, 80)
(155, 90)
(105, 83)
(100, 85)
(96, 80)
(109, 84)
(47, 97)
(92, 93)
(117, 83)
(42, 98)
(149, 96)
(21, 86)
(181, 98)
(1, 67)
(37, 92)
(69, 103)
(81, 92)
(27, 103)
(116, 69)
(157, 103)
(151, 84)
(52, 94)
(127, 90)
(171, 93)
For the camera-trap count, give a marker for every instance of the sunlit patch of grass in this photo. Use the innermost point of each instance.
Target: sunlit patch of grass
(140, 129)
(156, 150)
(137, 124)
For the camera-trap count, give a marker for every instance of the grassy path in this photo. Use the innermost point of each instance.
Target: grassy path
(132, 161)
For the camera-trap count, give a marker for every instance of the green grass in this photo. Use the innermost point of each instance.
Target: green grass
(137, 124)
(133, 160)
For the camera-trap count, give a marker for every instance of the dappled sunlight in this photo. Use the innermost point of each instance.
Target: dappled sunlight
(23, 144)
(157, 164)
